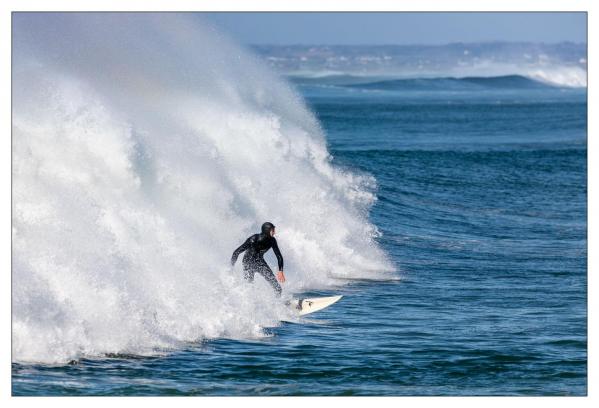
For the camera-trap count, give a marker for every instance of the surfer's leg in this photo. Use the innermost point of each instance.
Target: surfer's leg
(248, 272)
(264, 270)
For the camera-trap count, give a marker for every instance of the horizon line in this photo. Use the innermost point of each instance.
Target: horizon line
(415, 44)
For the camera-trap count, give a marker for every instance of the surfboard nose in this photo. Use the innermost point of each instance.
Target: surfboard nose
(311, 305)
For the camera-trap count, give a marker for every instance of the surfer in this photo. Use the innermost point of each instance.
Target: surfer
(253, 260)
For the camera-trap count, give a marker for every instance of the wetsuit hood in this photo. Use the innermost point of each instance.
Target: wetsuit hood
(267, 227)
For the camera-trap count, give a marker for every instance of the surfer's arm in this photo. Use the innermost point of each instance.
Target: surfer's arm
(239, 250)
(275, 249)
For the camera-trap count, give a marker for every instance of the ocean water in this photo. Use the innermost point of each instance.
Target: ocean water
(450, 212)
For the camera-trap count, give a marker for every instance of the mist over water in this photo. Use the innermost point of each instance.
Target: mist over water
(561, 65)
(145, 149)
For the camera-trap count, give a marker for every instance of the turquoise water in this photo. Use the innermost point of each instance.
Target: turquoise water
(482, 197)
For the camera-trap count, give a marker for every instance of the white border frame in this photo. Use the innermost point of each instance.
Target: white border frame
(7, 6)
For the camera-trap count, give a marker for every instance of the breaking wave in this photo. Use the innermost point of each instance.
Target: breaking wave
(146, 147)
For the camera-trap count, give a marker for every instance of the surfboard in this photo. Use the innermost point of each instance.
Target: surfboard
(311, 305)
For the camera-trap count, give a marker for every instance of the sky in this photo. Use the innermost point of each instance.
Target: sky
(399, 28)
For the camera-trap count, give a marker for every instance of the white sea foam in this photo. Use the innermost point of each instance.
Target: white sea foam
(571, 77)
(145, 149)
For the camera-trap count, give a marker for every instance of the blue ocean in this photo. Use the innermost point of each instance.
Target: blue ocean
(450, 211)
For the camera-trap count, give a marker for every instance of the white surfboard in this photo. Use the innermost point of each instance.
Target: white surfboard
(307, 306)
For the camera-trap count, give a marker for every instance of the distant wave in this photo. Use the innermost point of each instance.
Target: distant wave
(466, 83)
(449, 83)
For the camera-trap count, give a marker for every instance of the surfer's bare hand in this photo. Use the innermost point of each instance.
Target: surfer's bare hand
(281, 276)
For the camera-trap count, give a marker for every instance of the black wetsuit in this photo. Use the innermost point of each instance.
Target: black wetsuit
(253, 260)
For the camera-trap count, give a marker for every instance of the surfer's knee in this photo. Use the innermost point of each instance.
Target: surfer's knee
(270, 278)
(278, 289)
(248, 276)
